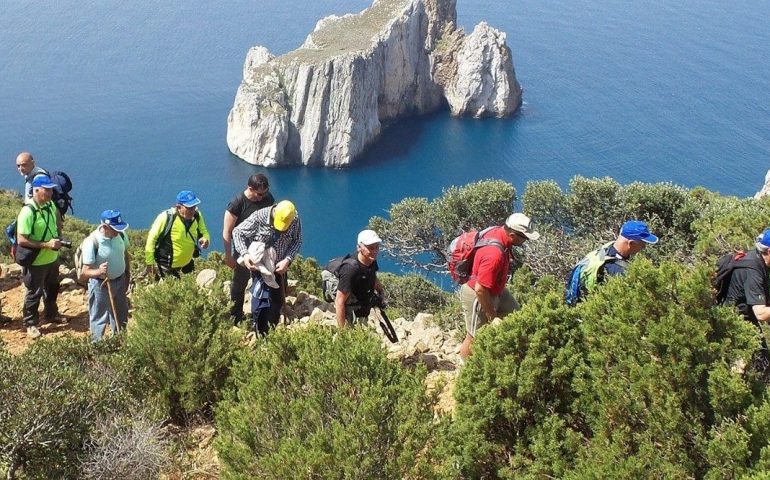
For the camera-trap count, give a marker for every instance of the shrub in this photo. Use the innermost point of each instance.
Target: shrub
(411, 294)
(51, 397)
(125, 445)
(183, 338)
(516, 395)
(418, 231)
(323, 403)
(307, 273)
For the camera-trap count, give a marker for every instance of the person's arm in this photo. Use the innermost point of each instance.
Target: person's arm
(227, 234)
(152, 237)
(485, 300)
(339, 307)
(762, 312)
(205, 238)
(24, 241)
(295, 243)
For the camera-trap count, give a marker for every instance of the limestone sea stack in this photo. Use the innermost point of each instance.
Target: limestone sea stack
(325, 102)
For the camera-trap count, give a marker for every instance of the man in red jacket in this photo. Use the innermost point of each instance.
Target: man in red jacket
(485, 297)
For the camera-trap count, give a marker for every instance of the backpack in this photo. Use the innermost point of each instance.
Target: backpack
(61, 192)
(330, 275)
(461, 251)
(22, 255)
(171, 215)
(584, 275)
(726, 265)
(88, 242)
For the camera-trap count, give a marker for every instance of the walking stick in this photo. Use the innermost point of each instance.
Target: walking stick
(112, 304)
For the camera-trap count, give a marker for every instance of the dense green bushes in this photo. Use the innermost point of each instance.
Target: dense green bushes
(322, 403)
(639, 381)
(55, 395)
(182, 336)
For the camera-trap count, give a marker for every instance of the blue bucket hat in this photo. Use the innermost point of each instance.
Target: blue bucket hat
(43, 181)
(112, 219)
(638, 230)
(187, 198)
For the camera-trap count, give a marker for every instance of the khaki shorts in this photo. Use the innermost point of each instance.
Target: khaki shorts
(475, 317)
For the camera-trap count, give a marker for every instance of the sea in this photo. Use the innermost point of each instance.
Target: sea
(131, 99)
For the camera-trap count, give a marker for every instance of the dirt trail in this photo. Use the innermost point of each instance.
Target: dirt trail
(73, 306)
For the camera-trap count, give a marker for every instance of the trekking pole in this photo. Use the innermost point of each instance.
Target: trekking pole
(112, 304)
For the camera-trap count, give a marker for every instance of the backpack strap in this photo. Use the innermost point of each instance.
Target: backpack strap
(170, 217)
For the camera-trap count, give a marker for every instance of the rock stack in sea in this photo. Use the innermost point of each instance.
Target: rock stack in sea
(325, 102)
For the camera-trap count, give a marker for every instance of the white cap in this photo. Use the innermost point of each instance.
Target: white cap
(522, 224)
(369, 237)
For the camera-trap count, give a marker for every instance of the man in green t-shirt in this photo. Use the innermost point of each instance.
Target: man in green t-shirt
(36, 229)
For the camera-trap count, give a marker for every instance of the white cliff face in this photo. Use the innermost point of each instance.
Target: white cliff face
(325, 102)
(765, 191)
(485, 83)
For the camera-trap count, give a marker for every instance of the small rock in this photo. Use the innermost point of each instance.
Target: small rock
(206, 277)
(317, 316)
(67, 282)
(291, 300)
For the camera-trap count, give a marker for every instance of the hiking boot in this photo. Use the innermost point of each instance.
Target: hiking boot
(33, 332)
(57, 320)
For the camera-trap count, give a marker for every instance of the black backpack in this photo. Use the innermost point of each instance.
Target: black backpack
(61, 192)
(331, 275)
(726, 265)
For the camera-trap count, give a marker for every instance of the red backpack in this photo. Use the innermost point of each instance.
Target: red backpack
(461, 250)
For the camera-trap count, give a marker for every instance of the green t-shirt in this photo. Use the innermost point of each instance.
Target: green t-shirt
(44, 229)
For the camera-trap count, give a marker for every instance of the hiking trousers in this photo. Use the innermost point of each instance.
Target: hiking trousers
(266, 318)
(42, 282)
(100, 310)
(241, 276)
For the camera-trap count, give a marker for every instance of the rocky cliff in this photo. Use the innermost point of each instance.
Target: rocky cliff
(323, 103)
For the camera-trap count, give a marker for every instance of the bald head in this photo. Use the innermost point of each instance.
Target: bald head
(25, 163)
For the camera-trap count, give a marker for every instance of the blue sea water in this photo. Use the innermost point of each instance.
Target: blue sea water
(131, 98)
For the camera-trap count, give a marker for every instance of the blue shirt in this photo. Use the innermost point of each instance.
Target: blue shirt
(110, 250)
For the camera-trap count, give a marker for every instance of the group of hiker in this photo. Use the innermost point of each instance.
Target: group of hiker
(262, 238)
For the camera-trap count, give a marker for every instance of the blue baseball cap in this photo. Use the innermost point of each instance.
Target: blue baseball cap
(187, 198)
(43, 181)
(764, 238)
(112, 219)
(638, 230)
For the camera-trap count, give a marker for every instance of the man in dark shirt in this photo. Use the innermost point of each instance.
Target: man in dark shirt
(748, 288)
(358, 281)
(748, 291)
(256, 196)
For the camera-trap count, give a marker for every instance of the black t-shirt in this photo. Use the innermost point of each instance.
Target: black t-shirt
(242, 207)
(748, 286)
(358, 279)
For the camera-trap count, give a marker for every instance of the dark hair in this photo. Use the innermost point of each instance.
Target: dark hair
(258, 180)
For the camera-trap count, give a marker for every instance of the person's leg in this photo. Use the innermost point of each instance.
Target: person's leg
(119, 296)
(33, 278)
(277, 299)
(98, 308)
(241, 277)
(51, 291)
(474, 318)
(187, 268)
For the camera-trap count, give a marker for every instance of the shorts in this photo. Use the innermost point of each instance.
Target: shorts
(475, 318)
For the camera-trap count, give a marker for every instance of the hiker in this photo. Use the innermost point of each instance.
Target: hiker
(106, 259)
(27, 169)
(37, 232)
(278, 227)
(484, 297)
(357, 281)
(257, 195)
(608, 260)
(176, 237)
(749, 290)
